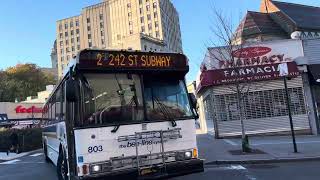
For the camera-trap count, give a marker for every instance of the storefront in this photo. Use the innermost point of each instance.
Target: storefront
(20, 114)
(254, 72)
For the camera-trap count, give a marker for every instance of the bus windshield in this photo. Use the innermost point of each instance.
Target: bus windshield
(115, 99)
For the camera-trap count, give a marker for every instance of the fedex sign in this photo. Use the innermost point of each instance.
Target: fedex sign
(32, 109)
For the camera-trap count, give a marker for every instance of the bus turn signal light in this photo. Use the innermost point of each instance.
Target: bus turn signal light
(195, 153)
(85, 169)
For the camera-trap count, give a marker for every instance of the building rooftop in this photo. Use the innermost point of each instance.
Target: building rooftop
(304, 17)
(258, 23)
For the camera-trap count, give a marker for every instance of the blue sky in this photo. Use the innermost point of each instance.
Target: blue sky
(28, 26)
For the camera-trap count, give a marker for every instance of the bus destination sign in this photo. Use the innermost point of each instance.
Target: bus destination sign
(132, 60)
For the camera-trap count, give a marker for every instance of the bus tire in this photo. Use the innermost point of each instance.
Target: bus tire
(62, 166)
(45, 152)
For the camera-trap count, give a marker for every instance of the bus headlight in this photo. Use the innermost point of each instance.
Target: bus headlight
(95, 168)
(188, 155)
(184, 155)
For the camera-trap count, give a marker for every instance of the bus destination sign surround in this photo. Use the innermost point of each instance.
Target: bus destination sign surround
(132, 60)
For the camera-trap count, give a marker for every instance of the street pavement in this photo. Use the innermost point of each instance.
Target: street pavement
(220, 163)
(33, 167)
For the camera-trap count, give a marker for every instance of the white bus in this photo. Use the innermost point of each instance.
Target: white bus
(122, 113)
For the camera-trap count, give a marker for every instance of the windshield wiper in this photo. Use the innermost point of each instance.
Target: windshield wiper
(164, 110)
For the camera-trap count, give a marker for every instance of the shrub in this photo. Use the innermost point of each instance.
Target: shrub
(29, 139)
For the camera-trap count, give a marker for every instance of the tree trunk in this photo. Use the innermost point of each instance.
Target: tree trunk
(240, 112)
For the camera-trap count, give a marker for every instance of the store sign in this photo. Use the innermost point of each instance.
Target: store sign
(258, 62)
(33, 109)
(245, 74)
(253, 56)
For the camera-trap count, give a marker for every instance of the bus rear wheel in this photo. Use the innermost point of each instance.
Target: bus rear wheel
(62, 167)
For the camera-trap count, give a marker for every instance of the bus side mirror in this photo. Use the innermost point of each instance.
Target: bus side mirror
(71, 86)
(193, 100)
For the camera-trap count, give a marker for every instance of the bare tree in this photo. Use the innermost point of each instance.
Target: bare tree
(228, 41)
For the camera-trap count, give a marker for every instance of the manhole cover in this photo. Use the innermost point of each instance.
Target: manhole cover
(253, 151)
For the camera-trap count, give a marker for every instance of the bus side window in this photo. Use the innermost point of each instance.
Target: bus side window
(63, 103)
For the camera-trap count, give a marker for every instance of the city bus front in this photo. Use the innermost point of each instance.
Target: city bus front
(137, 122)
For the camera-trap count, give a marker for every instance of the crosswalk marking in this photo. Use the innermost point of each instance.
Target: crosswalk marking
(11, 162)
(37, 154)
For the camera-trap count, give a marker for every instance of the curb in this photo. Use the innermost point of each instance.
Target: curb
(25, 154)
(263, 161)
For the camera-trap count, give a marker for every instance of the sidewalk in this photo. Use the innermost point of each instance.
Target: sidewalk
(11, 156)
(268, 149)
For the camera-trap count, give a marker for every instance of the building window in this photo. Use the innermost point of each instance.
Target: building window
(88, 20)
(148, 7)
(77, 23)
(61, 51)
(66, 34)
(154, 5)
(157, 34)
(149, 17)
(61, 35)
(156, 24)
(67, 50)
(150, 27)
(62, 59)
(72, 33)
(145, 47)
(72, 40)
(90, 44)
(140, 1)
(89, 28)
(129, 5)
(102, 33)
(77, 31)
(78, 39)
(71, 24)
(155, 14)
(102, 41)
(66, 26)
(141, 11)
(142, 19)
(60, 27)
(130, 23)
(67, 42)
(89, 36)
(129, 14)
(78, 47)
(68, 57)
(72, 48)
(131, 32)
(101, 16)
(101, 24)
(143, 29)
(61, 43)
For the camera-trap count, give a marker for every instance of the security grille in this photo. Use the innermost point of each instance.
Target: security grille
(264, 108)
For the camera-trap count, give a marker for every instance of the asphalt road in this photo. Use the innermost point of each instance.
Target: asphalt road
(33, 167)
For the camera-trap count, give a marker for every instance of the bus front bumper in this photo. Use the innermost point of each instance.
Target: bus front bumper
(176, 168)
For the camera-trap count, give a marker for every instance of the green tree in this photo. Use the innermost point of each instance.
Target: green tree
(21, 81)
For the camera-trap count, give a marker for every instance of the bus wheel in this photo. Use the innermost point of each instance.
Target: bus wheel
(62, 167)
(45, 152)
